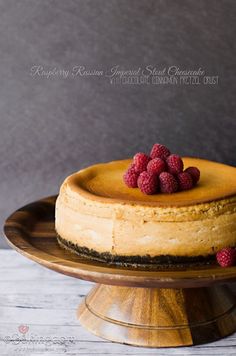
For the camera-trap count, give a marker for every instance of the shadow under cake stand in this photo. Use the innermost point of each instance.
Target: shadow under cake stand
(152, 308)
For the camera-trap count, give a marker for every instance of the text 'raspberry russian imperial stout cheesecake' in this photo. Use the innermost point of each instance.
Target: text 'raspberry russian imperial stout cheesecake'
(100, 216)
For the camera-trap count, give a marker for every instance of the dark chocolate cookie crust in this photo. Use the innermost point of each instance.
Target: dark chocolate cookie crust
(132, 260)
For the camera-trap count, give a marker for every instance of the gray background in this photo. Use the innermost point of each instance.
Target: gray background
(52, 127)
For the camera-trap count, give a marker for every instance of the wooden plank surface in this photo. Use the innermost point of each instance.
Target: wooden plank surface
(45, 302)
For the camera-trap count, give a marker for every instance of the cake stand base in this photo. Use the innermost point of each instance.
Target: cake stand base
(158, 317)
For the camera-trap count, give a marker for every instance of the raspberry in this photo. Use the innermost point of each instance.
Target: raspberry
(185, 181)
(140, 162)
(156, 166)
(175, 164)
(131, 166)
(148, 183)
(159, 151)
(194, 172)
(226, 257)
(130, 177)
(168, 183)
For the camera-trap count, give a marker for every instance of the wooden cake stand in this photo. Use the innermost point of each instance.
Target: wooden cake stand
(178, 306)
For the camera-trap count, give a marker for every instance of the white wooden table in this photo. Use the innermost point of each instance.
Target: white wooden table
(38, 316)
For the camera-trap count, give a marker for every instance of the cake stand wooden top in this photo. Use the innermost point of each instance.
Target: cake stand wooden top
(31, 231)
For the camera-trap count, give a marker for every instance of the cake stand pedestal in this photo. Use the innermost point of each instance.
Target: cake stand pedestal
(179, 306)
(159, 317)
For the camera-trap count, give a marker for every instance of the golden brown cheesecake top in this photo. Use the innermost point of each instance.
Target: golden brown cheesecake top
(104, 182)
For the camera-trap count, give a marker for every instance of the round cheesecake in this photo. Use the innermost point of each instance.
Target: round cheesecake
(97, 215)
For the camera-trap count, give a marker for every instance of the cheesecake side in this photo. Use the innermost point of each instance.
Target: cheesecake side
(112, 229)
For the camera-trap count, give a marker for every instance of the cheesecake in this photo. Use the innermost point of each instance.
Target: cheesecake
(99, 217)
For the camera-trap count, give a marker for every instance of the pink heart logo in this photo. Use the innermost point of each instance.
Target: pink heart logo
(23, 329)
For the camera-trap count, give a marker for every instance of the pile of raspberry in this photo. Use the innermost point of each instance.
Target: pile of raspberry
(160, 171)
